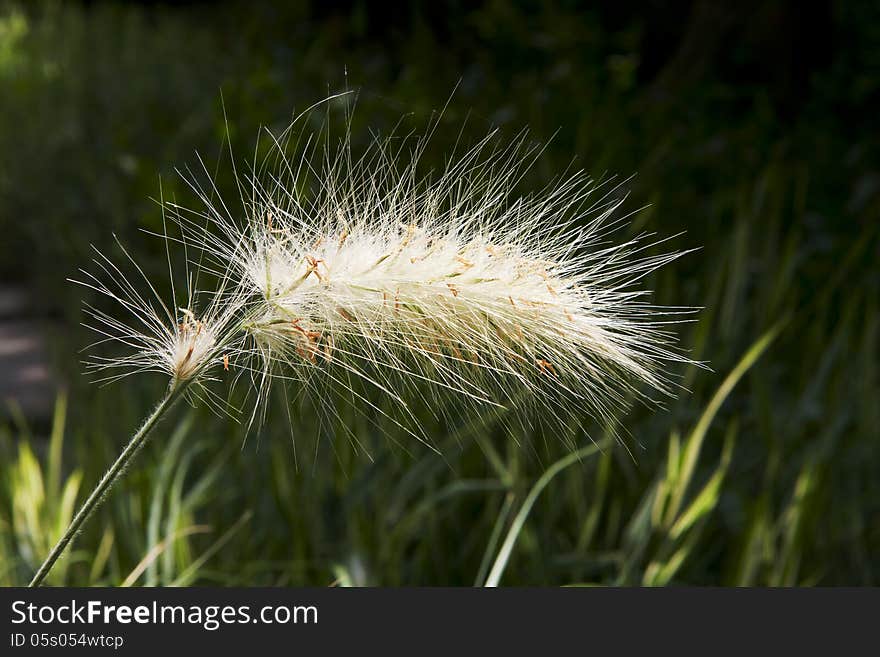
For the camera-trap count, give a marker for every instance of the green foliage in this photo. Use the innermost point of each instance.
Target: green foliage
(38, 502)
(37, 508)
(764, 471)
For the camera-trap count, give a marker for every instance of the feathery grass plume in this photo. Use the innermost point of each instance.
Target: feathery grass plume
(341, 272)
(361, 268)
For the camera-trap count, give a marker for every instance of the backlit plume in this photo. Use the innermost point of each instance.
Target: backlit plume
(360, 273)
(365, 269)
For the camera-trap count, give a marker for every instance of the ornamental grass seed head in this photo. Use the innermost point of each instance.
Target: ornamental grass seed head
(362, 269)
(344, 272)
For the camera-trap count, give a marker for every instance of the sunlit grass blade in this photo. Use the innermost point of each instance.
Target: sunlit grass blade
(500, 563)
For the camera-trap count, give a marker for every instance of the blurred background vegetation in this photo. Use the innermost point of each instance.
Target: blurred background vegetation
(751, 126)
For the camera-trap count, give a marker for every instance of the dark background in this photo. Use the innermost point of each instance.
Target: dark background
(751, 126)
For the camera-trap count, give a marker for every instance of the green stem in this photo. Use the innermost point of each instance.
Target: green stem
(520, 519)
(174, 393)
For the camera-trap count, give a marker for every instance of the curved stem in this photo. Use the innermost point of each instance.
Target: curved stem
(520, 519)
(175, 392)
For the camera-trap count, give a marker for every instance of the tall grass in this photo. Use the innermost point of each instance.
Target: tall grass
(661, 537)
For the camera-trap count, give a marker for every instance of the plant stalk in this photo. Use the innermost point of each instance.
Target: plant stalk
(516, 526)
(138, 440)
